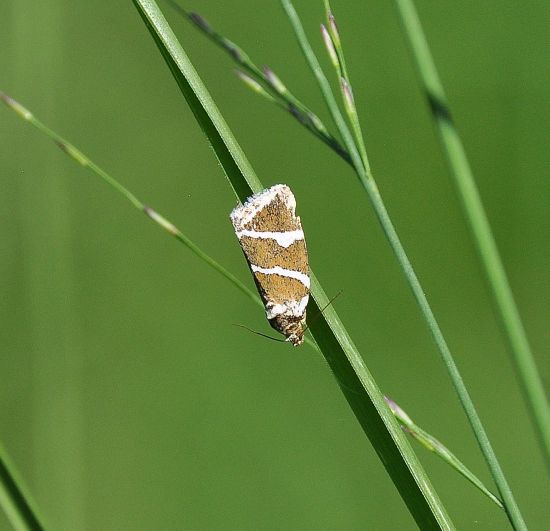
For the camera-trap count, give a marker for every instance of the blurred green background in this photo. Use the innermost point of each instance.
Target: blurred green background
(129, 399)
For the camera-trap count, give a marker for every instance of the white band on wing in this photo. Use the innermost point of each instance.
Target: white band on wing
(284, 239)
(295, 308)
(277, 270)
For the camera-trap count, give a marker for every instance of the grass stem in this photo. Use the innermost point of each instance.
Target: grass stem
(83, 160)
(434, 445)
(272, 87)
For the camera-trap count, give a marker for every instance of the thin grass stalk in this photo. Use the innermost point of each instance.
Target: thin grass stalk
(15, 500)
(309, 120)
(265, 75)
(464, 182)
(331, 36)
(337, 347)
(265, 82)
(160, 220)
(432, 444)
(364, 173)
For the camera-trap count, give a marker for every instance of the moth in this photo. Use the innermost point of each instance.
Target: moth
(273, 243)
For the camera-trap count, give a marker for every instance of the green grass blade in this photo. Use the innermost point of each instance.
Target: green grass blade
(14, 500)
(341, 354)
(79, 157)
(434, 445)
(463, 179)
(362, 167)
(332, 38)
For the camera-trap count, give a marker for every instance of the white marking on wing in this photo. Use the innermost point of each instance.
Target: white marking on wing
(302, 305)
(243, 214)
(284, 239)
(273, 310)
(295, 308)
(277, 270)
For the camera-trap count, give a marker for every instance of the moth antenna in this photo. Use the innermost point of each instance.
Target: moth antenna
(321, 311)
(260, 333)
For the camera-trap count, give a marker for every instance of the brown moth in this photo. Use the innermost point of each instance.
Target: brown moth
(272, 239)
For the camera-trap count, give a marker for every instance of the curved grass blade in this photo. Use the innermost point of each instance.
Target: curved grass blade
(14, 500)
(337, 347)
(463, 179)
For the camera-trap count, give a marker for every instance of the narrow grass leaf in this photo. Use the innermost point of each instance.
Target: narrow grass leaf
(79, 157)
(337, 347)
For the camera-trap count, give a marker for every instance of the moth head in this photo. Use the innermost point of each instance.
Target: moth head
(292, 327)
(296, 338)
